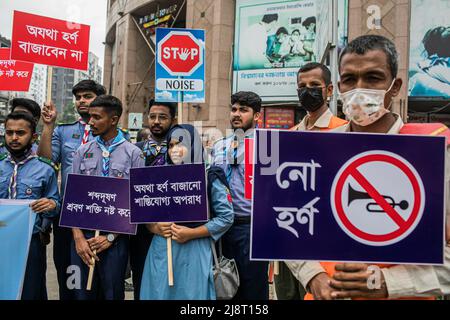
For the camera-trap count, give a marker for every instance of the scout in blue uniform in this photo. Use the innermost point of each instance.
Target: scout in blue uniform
(3, 149)
(23, 175)
(161, 116)
(228, 154)
(108, 155)
(59, 144)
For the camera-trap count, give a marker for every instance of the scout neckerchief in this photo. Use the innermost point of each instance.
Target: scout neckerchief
(155, 155)
(12, 189)
(87, 129)
(106, 151)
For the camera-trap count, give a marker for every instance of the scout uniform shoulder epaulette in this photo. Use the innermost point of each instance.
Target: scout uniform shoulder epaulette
(49, 162)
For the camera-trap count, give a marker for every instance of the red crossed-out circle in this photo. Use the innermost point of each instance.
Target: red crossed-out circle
(351, 169)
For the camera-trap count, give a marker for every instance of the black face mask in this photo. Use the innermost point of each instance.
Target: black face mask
(310, 98)
(19, 154)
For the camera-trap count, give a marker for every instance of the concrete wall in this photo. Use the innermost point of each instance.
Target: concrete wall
(128, 58)
(217, 18)
(133, 60)
(394, 25)
(127, 72)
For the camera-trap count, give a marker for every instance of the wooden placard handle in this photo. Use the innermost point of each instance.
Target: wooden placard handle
(169, 261)
(276, 268)
(91, 267)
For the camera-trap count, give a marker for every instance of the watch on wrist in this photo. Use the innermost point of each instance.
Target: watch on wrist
(110, 237)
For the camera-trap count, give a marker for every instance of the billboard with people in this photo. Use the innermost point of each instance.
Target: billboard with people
(273, 39)
(429, 63)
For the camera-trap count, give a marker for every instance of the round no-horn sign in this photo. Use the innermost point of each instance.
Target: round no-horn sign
(378, 198)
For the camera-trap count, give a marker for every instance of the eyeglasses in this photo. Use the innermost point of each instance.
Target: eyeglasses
(161, 117)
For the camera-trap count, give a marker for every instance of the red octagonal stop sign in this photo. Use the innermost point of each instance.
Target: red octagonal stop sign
(180, 53)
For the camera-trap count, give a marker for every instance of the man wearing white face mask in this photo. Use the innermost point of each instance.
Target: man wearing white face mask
(368, 68)
(366, 106)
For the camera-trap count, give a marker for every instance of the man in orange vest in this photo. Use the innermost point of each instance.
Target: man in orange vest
(314, 87)
(368, 67)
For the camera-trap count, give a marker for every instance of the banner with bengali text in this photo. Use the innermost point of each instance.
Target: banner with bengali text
(14, 75)
(97, 203)
(168, 194)
(50, 41)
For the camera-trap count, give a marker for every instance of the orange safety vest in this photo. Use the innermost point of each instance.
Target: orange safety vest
(335, 122)
(430, 129)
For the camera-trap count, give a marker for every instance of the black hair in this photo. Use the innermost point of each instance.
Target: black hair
(22, 116)
(249, 99)
(172, 106)
(308, 21)
(89, 85)
(112, 104)
(326, 73)
(363, 44)
(31, 105)
(437, 41)
(295, 30)
(281, 30)
(268, 18)
(140, 134)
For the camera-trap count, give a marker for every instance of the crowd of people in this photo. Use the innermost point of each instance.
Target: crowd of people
(95, 145)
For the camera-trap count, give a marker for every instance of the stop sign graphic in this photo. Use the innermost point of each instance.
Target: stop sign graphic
(180, 53)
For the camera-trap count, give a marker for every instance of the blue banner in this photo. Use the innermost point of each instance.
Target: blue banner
(348, 197)
(16, 227)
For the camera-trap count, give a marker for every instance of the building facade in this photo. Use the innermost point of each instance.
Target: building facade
(4, 43)
(129, 52)
(38, 84)
(63, 80)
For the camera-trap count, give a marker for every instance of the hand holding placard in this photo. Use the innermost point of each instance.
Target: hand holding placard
(92, 266)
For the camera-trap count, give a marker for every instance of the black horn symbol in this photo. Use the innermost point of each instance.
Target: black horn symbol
(373, 207)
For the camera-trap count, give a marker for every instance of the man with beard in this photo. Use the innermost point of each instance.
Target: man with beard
(228, 154)
(161, 116)
(108, 155)
(59, 144)
(25, 176)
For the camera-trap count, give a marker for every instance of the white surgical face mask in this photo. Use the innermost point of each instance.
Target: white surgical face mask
(365, 106)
